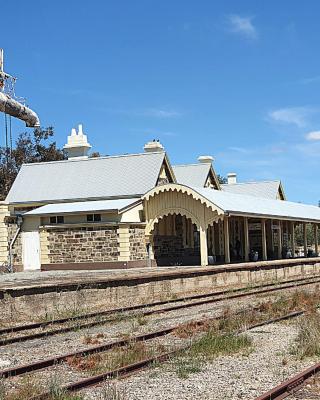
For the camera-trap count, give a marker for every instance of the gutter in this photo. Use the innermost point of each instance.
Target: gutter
(267, 216)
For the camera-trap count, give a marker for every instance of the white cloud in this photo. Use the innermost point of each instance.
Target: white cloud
(159, 113)
(242, 26)
(291, 115)
(313, 79)
(314, 135)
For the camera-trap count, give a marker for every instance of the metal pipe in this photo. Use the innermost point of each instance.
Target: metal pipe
(18, 110)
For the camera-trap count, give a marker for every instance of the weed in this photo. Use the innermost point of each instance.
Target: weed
(110, 391)
(308, 340)
(212, 344)
(184, 366)
(84, 363)
(141, 320)
(28, 388)
(114, 359)
(208, 347)
(2, 390)
(93, 340)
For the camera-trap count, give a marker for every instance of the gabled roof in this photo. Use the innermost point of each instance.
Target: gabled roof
(119, 206)
(236, 204)
(194, 174)
(263, 189)
(93, 178)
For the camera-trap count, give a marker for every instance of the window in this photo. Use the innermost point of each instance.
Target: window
(57, 219)
(93, 217)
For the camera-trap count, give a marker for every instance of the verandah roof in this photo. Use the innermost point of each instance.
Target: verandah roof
(236, 204)
(118, 206)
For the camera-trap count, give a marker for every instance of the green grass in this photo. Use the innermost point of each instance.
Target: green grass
(184, 366)
(208, 347)
(212, 345)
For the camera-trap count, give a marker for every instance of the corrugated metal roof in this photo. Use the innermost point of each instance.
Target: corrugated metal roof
(84, 206)
(119, 176)
(264, 189)
(251, 205)
(192, 174)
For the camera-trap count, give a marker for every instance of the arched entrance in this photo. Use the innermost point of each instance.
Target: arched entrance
(175, 240)
(184, 214)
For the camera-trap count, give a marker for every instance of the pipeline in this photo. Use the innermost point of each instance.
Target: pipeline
(18, 110)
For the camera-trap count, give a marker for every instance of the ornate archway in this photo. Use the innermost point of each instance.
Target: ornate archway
(175, 199)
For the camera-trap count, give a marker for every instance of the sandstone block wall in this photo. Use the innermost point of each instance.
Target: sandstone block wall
(17, 247)
(137, 243)
(123, 292)
(82, 244)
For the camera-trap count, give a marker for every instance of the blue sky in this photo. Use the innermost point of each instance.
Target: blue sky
(238, 80)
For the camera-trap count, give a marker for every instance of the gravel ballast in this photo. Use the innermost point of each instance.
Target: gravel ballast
(226, 377)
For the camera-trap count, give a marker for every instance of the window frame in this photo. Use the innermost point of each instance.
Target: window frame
(56, 219)
(93, 217)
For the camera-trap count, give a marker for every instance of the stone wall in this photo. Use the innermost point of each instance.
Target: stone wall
(82, 244)
(137, 243)
(56, 298)
(17, 247)
(169, 250)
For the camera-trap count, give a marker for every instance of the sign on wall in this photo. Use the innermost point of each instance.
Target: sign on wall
(254, 226)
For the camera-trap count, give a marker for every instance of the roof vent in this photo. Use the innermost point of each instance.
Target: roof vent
(205, 159)
(77, 145)
(153, 146)
(232, 178)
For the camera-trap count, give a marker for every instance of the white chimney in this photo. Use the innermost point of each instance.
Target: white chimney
(232, 178)
(205, 159)
(153, 146)
(77, 145)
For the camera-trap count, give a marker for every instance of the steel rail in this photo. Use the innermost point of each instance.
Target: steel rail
(130, 369)
(291, 385)
(22, 369)
(243, 293)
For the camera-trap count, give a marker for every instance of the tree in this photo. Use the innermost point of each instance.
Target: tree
(222, 180)
(299, 236)
(95, 154)
(29, 148)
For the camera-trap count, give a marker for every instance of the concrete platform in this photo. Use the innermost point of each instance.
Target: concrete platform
(63, 279)
(41, 295)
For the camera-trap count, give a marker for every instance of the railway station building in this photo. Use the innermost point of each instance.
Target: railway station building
(138, 210)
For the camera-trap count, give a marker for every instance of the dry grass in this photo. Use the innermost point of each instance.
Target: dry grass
(93, 339)
(115, 358)
(30, 387)
(218, 337)
(308, 340)
(110, 391)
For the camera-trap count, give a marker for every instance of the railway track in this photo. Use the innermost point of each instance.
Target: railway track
(133, 368)
(23, 369)
(292, 385)
(144, 310)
